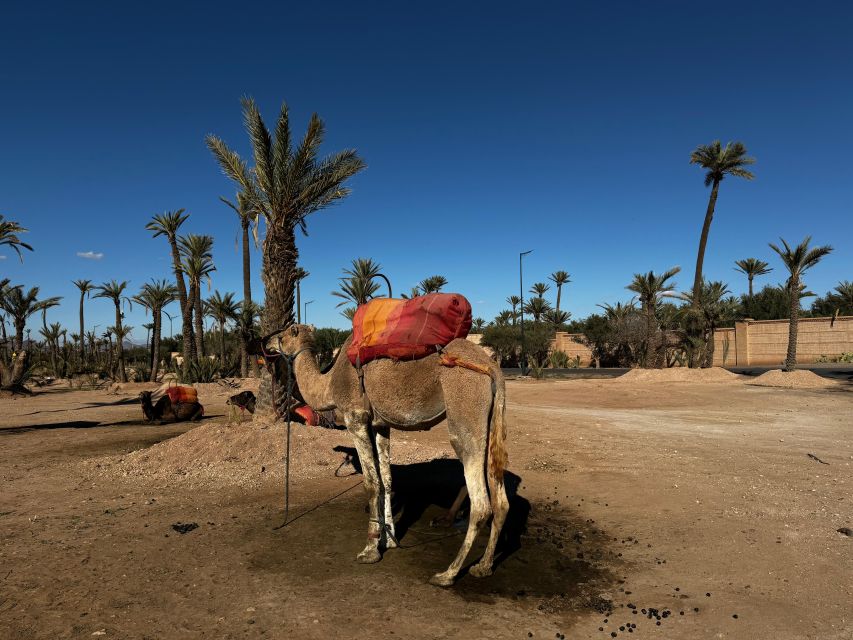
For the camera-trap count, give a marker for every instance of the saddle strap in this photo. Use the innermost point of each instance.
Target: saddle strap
(450, 360)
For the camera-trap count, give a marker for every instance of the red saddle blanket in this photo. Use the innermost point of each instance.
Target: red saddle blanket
(407, 329)
(182, 394)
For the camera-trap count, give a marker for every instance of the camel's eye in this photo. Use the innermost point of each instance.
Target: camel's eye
(294, 331)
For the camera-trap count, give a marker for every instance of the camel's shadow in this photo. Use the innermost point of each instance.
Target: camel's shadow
(421, 486)
(554, 553)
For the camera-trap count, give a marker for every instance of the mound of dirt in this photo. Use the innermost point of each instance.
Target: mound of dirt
(797, 379)
(680, 374)
(246, 455)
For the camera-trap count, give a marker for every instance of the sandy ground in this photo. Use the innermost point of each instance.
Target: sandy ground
(693, 503)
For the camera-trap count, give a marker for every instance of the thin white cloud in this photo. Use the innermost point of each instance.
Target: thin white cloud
(2, 257)
(90, 255)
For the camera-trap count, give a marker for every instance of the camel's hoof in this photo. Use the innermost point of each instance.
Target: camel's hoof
(441, 580)
(390, 543)
(480, 571)
(369, 556)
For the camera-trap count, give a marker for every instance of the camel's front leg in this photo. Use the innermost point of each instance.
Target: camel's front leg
(383, 449)
(359, 428)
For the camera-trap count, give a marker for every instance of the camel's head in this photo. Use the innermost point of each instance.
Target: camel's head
(290, 340)
(145, 401)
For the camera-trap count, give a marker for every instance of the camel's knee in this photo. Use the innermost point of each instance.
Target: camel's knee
(480, 513)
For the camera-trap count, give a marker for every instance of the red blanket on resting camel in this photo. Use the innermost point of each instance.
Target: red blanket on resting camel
(182, 394)
(407, 329)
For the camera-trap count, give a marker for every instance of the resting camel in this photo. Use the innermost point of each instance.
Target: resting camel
(164, 411)
(414, 395)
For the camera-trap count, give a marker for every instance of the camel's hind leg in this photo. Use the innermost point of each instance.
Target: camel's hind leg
(359, 428)
(467, 423)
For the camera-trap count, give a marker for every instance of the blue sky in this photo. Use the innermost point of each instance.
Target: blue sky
(488, 129)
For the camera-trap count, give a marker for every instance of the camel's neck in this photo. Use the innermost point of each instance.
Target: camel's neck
(314, 386)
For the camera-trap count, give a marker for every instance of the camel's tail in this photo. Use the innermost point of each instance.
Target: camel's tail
(497, 459)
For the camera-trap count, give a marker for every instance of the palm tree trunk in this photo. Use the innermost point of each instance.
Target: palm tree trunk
(709, 348)
(155, 344)
(652, 341)
(199, 323)
(703, 240)
(793, 325)
(122, 372)
(82, 334)
(222, 343)
(750, 286)
(19, 334)
(186, 312)
(278, 271)
(245, 364)
(559, 291)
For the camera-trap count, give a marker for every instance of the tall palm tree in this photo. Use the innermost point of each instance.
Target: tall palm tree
(752, 267)
(197, 263)
(478, 324)
(718, 162)
(9, 231)
(843, 296)
(248, 217)
(539, 289)
(358, 284)
(155, 295)
(222, 309)
(114, 290)
(287, 184)
(301, 274)
(559, 278)
(167, 224)
(85, 287)
(433, 284)
(797, 260)
(650, 288)
(513, 301)
(619, 311)
(537, 307)
(504, 317)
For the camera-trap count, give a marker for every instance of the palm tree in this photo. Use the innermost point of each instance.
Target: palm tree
(712, 309)
(559, 278)
(433, 284)
(114, 290)
(221, 309)
(349, 313)
(155, 295)
(9, 231)
(537, 307)
(797, 260)
(619, 311)
(167, 224)
(539, 289)
(287, 184)
(513, 301)
(301, 274)
(504, 317)
(51, 336)
(651, 287)
(557, 318)
(752, 267)
(718, 162)
(478, 324)
(85, 287)
(357, 285)
(19, 306)
(843, 296)
(197, 263)
(247, 216)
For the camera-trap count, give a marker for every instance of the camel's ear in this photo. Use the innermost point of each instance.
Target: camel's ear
(294, 331)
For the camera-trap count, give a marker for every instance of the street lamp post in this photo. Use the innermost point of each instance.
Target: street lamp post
(523, 361)
(305, 312)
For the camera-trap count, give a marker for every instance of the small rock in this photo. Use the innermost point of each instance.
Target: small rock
(847, 531)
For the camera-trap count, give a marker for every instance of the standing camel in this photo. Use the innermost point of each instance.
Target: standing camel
(415, 395)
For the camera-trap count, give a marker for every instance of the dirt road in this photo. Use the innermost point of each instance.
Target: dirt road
(695, 504)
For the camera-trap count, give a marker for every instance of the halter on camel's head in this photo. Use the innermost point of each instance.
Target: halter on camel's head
(288, 342)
